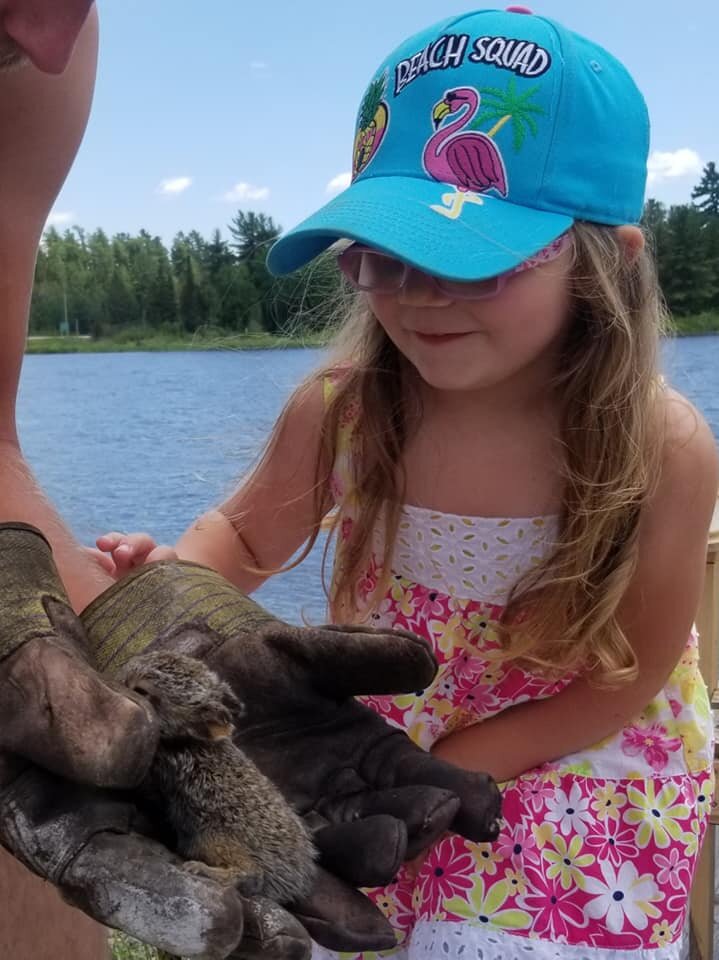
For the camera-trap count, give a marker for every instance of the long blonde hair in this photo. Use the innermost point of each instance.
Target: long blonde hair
(562, 616)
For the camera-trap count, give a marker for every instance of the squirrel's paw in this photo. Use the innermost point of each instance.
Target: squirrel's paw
(248, 881)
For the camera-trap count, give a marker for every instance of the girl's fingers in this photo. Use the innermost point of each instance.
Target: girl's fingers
(126, 557)
(161, 553)
(127, 545)
(125, 551)
(108, 541)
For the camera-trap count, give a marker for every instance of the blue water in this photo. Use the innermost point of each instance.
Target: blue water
(147, 441)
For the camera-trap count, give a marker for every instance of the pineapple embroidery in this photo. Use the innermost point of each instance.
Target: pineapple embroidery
(372, 124)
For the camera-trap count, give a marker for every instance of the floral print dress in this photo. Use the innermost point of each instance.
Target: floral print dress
(597, 852)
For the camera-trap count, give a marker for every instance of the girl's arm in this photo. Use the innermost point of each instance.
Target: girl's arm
(656, 615)
(274, 510)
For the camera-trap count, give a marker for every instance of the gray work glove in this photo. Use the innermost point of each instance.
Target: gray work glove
(373, 798)
(64, 734)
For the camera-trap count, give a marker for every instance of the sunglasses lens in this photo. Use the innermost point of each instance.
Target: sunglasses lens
(376, 272)
(368, 270)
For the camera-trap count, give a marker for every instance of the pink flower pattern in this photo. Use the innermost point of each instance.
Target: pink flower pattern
(616, 878)
(555, 912)
(652, 742)
(542, 802)
(447, 871)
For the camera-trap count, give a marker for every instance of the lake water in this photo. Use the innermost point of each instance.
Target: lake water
(147, 441)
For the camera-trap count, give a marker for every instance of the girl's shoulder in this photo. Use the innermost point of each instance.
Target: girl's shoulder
(688, 441)
(304, 409)
(688, 481)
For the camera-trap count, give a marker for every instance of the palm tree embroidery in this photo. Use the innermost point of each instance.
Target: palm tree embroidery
(502, 106)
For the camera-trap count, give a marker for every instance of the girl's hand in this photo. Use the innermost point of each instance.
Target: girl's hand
(118, 553)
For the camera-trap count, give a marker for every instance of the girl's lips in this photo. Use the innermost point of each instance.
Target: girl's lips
(439, 338)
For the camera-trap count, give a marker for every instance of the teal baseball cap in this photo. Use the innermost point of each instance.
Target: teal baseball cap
(479, 141)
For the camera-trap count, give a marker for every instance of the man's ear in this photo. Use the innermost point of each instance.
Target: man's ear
(631, 240)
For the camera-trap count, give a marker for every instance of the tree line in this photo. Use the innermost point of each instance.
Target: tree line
(89, 283)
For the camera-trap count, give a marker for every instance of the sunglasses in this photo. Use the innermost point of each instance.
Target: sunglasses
(374, 272)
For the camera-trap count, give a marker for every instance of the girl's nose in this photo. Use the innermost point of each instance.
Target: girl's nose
(421, 290)
(45, 30)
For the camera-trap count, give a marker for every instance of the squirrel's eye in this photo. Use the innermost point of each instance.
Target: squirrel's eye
(138, 688)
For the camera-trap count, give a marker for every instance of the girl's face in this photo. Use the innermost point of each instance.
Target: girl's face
(476, 345)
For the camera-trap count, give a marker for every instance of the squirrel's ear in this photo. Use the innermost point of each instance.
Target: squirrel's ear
(232, 701)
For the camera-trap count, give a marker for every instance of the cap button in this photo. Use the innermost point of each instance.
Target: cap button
(518, 10)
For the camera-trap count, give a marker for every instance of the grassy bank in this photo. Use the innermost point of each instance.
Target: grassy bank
(163, 342)
(698, 325)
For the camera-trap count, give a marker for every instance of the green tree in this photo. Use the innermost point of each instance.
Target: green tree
(217, 255)
(192, 302)
(142, 266)
(162, 299)
(121, 300)
(711, 256)
(686, 276)
(708, 189)
(253, 233)
(178, 251)
(654, 221)
(47, 307)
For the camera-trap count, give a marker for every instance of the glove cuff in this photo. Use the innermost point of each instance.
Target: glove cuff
(159, 601)
(28, 579)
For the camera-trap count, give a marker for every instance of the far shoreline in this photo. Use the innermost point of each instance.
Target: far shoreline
(41, 344)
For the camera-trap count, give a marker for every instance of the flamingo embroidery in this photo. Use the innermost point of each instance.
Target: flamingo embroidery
(468, 160)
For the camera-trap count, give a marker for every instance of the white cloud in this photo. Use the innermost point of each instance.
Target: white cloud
(663, 165)
(246, 191)
(258, 65)
(58, 217)
(174, 185)
(340, 182)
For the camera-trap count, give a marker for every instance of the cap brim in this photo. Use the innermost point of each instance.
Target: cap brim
(398, 215)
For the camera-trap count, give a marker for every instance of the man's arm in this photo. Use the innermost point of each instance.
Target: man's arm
(42, 120)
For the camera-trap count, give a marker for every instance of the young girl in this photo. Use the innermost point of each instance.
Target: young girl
(511, 478)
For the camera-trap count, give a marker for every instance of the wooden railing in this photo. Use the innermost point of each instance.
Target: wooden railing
(702, 907)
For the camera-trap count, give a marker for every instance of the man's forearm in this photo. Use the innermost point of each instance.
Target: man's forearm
(22, 499)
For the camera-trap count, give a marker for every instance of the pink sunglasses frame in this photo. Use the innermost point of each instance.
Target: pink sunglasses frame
(457, 289)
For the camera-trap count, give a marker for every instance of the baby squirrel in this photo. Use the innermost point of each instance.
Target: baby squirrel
(230, 821)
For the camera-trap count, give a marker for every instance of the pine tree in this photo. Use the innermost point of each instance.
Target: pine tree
(686, 279)
(162, 299)
(708, 187)
(253, 233)
(217, 254)
(192, 302)
(121, 301)
(711, 255)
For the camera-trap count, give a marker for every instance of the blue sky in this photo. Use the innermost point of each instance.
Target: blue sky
(205, 107)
